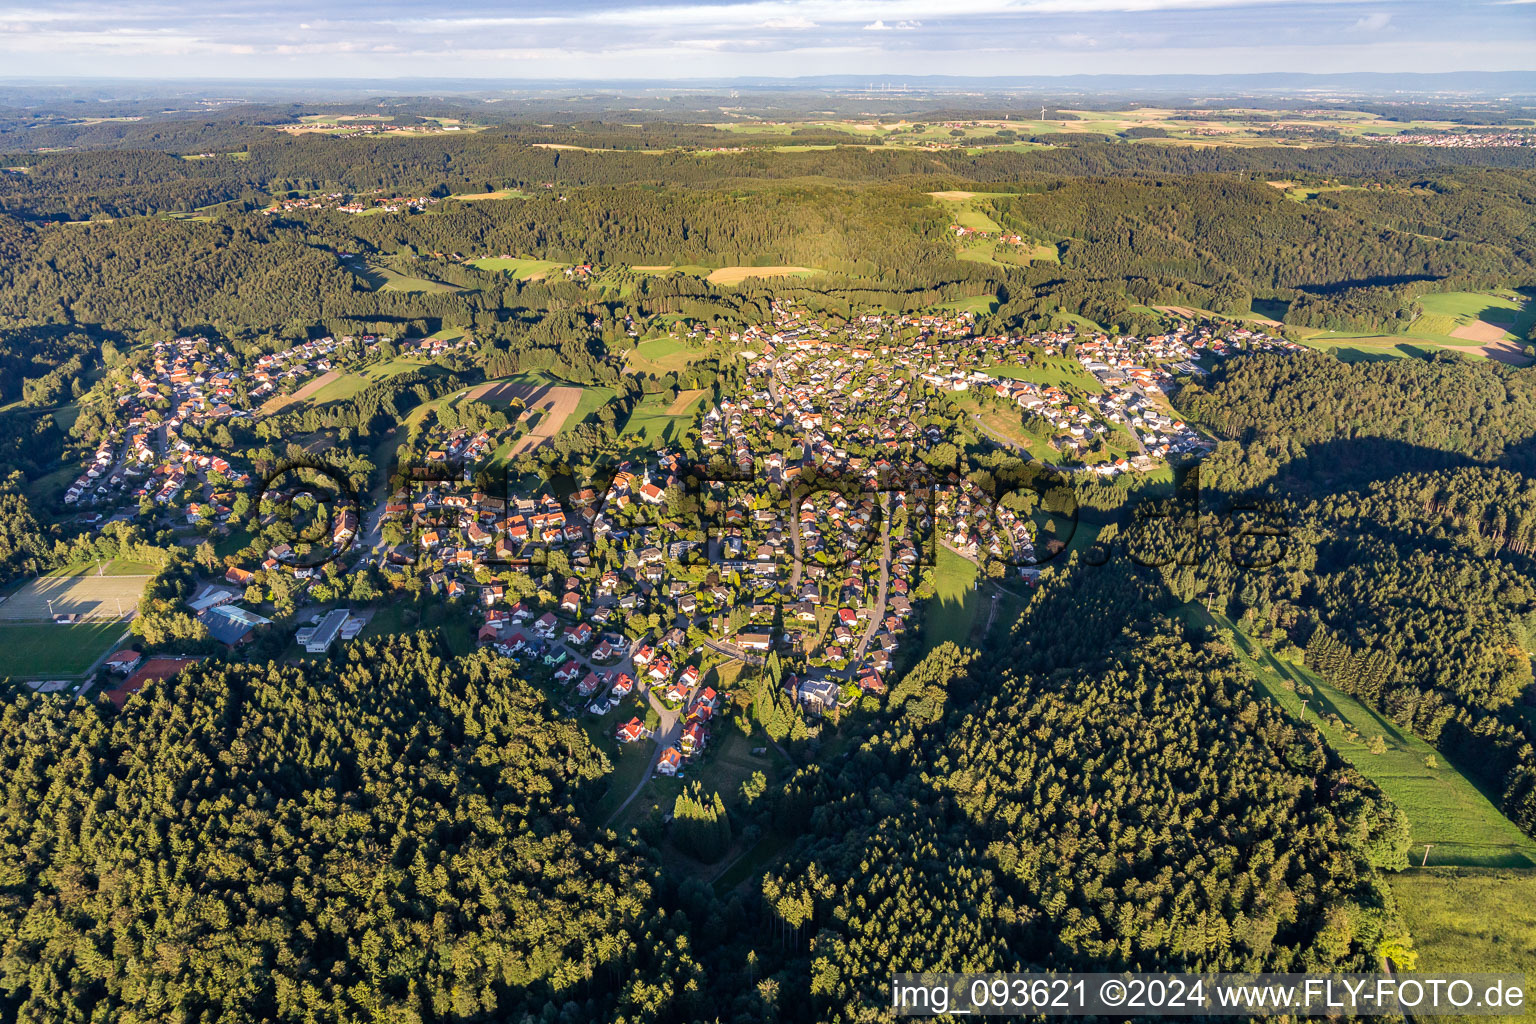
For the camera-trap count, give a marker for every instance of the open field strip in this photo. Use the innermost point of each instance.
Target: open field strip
(736, 275)
(1444, 807)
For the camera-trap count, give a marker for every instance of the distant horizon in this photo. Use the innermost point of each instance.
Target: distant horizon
(608, 40)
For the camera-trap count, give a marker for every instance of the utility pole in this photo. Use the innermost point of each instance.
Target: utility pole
(1425, 862)
(1304, 708)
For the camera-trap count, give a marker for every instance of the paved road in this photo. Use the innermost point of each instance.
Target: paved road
(878, 615)
(668, 731)
(999, 438)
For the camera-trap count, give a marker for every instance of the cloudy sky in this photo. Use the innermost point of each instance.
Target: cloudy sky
(704, 38)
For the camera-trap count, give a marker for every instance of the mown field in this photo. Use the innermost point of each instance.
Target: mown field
(953, 610)
(1443, 806)
(47, 651)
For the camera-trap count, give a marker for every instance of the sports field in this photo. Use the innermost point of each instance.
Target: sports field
(89, 596)
(48, 651)
(1444, 808)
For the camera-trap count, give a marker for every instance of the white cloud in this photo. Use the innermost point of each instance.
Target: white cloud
(1374, 22)
(792, 22)
(877, 26)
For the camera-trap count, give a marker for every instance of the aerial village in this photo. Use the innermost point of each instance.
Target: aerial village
(645, 595)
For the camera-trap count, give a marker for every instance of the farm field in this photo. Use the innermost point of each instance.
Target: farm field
(1179, 127)
(523, 269)
(1480, 324)
(475, 197)
(48, 651)
(88, 596)
(310, 388)
(659, 418)
(736, 275)
(1443, 806)
(1470, 920)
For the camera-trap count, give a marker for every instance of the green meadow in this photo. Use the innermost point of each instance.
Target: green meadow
(520, 268)
(1046, 371)
(350, 384)
(1471, 920)
(651, 420)
(954, 607)
(381, 278)
(1512, 312)
(1444, 807)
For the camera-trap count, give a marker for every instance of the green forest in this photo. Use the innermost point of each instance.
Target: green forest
(412, 833)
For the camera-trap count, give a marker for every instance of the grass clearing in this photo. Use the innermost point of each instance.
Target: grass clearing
(978, 304)
(654, 420)
(1468, 920)
(1444, 807)
(522, 268)
(48, 651)
(348, 384)
(382, 278)
(955, 605)
(660, 356)
(630, 761)
(1050, 371)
